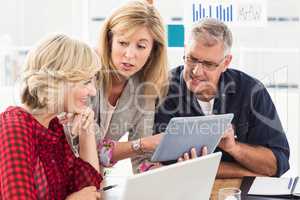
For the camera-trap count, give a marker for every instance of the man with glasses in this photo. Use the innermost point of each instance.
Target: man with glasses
(256, 144)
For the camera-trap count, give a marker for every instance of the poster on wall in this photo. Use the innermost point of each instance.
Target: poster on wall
(231, 12)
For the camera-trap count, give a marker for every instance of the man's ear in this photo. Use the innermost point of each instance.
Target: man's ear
(227, 62)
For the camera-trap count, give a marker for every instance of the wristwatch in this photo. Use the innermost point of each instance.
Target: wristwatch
(136, 146)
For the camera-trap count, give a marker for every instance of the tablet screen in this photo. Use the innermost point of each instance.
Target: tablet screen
(184, 133)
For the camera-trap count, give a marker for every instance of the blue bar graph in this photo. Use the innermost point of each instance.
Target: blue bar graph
(231, 18)
(227, 13)
(200, 11)
(220, 12)
(194, 13)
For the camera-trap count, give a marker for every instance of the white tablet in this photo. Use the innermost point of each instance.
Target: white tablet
(184, 133)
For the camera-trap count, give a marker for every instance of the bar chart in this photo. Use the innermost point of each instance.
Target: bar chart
(243, 12)
(223, 13)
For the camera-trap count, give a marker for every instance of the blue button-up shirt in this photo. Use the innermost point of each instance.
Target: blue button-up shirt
(255, 121)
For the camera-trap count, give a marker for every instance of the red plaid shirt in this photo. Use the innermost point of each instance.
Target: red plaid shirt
(36, 162)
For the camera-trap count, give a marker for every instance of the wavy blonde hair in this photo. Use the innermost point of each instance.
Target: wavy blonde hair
(127, 19)
(54, 61)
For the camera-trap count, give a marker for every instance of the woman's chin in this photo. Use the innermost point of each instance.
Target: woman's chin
(126, 74)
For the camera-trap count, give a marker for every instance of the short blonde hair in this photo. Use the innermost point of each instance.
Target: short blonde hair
(127, 19)
(55, 60)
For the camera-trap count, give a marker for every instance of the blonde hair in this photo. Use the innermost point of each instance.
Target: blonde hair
(55, 60)
(128, 18)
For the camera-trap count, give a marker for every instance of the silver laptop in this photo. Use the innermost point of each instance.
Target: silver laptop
(191, 180)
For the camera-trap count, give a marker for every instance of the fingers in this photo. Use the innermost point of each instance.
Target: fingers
(156, 165)
(186, 156)
(65, 118)
(76, 125)
(98, 195)
(193, 153)
(230, 126)
(180, 159)
(69, 116)
(183, 158)
(226, 134)
(204, 151)
(83, 122)
(87, 120)
(229, 131)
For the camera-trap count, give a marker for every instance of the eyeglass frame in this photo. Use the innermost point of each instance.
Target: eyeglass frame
(203, 64)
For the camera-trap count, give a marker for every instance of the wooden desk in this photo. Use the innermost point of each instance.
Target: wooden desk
(224, 183)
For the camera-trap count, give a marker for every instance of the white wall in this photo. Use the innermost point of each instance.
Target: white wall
(287, 102)
(26, 21)
(98, 11)
(10, 19)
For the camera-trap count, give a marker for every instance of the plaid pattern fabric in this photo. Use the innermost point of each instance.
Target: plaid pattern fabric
(36, 162)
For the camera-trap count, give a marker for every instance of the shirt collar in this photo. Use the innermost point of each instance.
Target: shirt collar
(227, 84)
(48, 135)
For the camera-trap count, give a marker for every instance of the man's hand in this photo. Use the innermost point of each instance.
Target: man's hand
(193, 155)
(228, 142)
(186, 156)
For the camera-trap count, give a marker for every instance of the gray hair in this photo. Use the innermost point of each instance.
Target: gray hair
(212, 31)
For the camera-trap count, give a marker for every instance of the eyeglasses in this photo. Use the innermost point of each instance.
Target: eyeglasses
(207, 65)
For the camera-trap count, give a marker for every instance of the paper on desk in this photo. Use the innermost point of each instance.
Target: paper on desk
(297, 190)
(270, 186)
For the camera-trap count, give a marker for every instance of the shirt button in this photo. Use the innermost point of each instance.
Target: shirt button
(53, 161)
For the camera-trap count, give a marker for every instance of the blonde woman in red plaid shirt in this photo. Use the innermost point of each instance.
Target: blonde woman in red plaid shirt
(36, 161)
